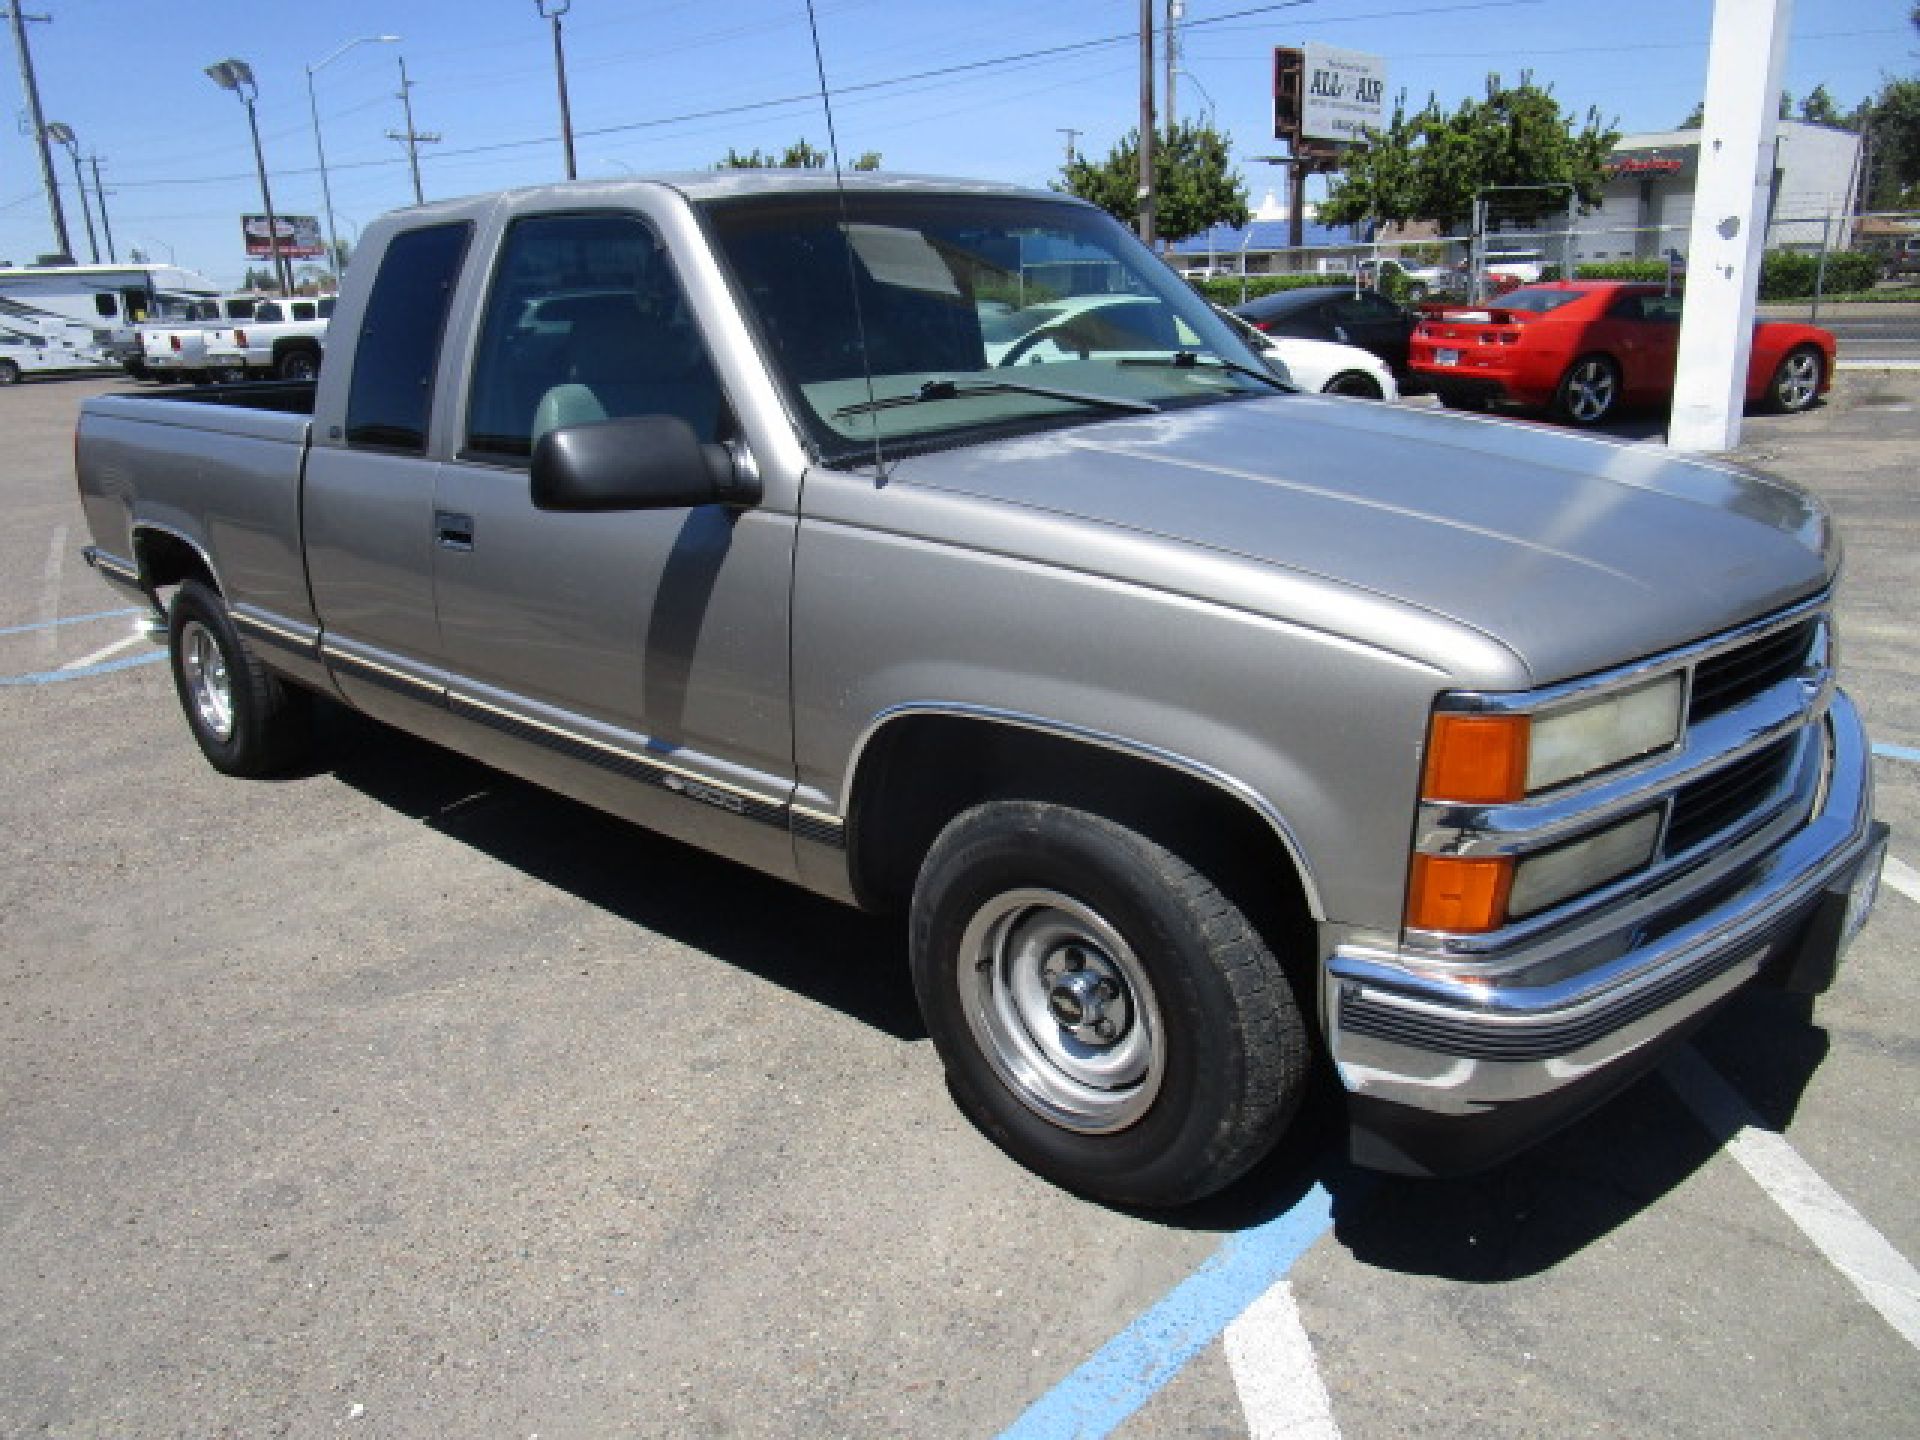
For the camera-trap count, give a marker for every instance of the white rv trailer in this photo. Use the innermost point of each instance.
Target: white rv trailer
(105, 302)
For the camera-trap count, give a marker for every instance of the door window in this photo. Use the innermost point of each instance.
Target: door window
(585, 321)
(399, 344)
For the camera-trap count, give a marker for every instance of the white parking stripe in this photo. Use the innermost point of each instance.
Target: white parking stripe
(1902, 877)
(50, 582)
(1880, 1273)
(104, 651)
(1274, 1370)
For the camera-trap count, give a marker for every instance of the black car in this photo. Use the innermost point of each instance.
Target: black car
(1337, 312)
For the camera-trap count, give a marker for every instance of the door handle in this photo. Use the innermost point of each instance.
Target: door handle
(451, 531)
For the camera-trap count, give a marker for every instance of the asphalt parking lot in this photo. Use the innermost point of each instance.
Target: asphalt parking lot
(401, 1099)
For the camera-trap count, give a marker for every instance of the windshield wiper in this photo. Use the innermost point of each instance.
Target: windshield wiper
(1191, 360)
(958, 389)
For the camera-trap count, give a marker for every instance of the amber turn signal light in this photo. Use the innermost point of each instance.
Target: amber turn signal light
(1450, 892)
(1476, 759)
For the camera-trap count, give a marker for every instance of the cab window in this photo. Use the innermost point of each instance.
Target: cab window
(398, 348)
(585, 321)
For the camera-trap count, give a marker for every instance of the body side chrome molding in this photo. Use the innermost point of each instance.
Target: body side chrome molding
(1117, 744)
(290, 635)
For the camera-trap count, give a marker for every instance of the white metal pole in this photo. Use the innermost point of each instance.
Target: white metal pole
(1729, 231)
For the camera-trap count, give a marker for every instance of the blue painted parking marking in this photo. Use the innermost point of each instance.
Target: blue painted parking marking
(1136, 1364)
(1897, 752)
(66, 620)
(54, 677)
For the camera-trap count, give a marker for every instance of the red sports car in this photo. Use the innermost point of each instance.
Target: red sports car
(1585, 348)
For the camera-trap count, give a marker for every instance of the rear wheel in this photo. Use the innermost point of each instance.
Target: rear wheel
(1105, 1014)
(1589, 392)
(1796, 381)
(246, 720)
(299, 365)
(9, 373)
(1356, 383)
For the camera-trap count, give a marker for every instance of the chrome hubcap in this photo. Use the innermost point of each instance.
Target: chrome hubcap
(208, 686)
(1590, 391)
(1799, 378)
(1062, 1009)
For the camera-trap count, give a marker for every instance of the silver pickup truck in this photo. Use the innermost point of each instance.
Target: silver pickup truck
(1207, 732)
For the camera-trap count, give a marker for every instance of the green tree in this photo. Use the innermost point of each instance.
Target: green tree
(1818, 108)
(798, 156)
(1194, 182)
(1431, 165)
(1893, 141)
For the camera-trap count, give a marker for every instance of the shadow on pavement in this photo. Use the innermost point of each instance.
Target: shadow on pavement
(1519, 1219)
(830, 954)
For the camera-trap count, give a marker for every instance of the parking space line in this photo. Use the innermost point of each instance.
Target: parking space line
(105, 667)
(1902, 877)
(1882, 1275)
(1136, 1364)
(123, 643)
(1897, 752)
(66, 620)
(50, 576)
(1271, 1356)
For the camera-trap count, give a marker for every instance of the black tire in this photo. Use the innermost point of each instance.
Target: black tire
(1589, 392)
(9, 373)
(1201, 1051)
(299, 365)
(246, 720)
(1796, 380)
(1357, 383)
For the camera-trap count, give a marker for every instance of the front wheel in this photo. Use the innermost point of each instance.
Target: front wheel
(246, 720)
(1106, 1016)
(1589, 392)
(1796, 381)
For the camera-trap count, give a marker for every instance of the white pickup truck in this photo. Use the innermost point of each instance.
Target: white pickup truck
(284, 339)
(176, 348)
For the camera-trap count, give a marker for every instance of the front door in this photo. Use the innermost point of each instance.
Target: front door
(637, 659)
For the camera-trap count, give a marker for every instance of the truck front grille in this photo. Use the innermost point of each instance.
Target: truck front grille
(1721, 800)
(1725, 680)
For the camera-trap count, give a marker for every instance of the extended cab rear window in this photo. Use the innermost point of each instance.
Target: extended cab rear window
(398, 348)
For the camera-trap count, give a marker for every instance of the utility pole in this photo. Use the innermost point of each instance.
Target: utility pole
(100, 195)
(32, 87)
(413, 138)
(1146, 123)
(1072, 135)
(553, 10)
(1176, 12)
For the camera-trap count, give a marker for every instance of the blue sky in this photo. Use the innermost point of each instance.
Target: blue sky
(645, 76)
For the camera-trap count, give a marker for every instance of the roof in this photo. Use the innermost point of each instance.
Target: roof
(1264, 235)
(726, 184)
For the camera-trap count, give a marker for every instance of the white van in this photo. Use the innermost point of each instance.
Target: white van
(104, 301)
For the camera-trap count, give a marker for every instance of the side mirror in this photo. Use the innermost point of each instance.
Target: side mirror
(647, 462)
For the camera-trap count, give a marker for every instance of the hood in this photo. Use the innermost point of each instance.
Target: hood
(1575, 553)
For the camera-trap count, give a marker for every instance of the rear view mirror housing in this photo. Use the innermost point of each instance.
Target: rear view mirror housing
(647, 462)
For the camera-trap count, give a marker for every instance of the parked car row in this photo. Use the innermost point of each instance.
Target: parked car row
(236, 337)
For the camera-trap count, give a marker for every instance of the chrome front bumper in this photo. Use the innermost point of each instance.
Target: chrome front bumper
(1448, 1073)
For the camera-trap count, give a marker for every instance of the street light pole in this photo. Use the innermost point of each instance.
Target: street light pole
(559, 8)
(63, 135)
(237, 76)
(326, 190)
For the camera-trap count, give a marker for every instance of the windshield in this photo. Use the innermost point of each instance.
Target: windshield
(981, 315)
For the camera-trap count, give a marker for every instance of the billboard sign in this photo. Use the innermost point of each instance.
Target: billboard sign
(299, 236)
(1342, 93)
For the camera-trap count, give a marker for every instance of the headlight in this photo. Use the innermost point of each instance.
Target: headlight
(1599, 734)
(1581, 865)
(1497, 759)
